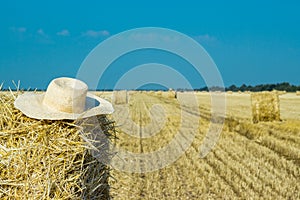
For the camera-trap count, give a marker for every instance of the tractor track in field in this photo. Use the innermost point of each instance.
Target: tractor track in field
(142, 175)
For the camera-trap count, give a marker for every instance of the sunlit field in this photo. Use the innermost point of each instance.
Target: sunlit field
(256, 161)
(249, 161)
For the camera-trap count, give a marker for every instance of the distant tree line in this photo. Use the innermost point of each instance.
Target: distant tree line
(265, 87)
(262, 87)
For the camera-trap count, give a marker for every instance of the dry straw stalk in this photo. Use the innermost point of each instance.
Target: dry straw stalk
(265, 106)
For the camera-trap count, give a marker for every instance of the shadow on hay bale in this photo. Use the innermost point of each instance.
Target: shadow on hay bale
(265, 107)
(42, 159)
(97, 132)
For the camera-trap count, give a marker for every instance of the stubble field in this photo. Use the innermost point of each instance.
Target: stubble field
(41, 159)
(249, 161)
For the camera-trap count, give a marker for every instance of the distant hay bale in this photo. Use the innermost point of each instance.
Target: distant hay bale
(187, 97)
(120, 97)
(298, 93)
(169, 94)
(151, 92)
(179, 95)
(229, 92)
(280, 92)
(265, 107)
(158, 93)
(131, 92)
(41, 159)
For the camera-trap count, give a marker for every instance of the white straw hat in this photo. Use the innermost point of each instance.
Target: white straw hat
(65, 98)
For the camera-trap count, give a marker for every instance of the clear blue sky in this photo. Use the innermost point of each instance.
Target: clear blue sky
(251, 42)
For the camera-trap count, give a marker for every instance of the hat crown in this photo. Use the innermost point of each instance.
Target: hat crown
(66, 95)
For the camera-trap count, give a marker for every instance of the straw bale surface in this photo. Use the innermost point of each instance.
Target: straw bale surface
(42, 159)
(265, 106)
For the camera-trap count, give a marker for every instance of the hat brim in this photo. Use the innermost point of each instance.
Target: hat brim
(31, 104)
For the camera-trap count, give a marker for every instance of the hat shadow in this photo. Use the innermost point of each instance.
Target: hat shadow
(97, 132)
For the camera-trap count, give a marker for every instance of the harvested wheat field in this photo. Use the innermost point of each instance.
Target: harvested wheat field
(43, 160)
(250, 161)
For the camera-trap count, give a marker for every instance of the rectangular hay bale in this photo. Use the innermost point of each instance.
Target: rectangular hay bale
(265, 107)
(120, 97)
